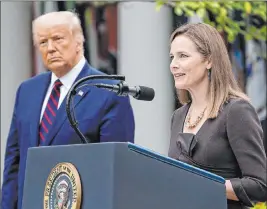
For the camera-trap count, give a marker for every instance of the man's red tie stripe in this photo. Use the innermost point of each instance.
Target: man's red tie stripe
(49, 115)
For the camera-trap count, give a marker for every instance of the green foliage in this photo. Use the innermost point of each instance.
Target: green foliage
(223, 13)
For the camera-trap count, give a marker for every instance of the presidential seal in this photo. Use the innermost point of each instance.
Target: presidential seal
(63, 188)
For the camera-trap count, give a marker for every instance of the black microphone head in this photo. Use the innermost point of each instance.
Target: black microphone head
(145, 93)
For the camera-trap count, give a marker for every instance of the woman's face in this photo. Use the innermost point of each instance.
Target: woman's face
(187, 65)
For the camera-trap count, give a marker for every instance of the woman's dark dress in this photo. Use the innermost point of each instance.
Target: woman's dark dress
(230, 145)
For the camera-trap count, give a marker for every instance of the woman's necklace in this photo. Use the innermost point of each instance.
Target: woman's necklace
(188, 122)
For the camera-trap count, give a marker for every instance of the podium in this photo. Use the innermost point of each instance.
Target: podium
(116, 176)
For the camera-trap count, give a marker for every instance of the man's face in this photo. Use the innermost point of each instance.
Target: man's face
(58, 47)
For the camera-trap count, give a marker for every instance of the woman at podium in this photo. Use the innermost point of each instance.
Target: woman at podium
(216, 128)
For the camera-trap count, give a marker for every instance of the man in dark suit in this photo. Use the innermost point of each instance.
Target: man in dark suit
(39, 117)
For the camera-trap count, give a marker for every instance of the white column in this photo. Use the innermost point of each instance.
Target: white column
(16, 60)
(144, 60)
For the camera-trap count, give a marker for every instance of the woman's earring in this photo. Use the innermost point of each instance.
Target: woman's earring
(209, 74)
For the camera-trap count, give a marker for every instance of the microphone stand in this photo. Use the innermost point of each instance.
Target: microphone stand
(72, 92)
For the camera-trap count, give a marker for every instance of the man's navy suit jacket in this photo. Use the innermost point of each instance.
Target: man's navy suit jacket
(102, 115)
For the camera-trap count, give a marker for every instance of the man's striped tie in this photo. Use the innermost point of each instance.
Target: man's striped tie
(50, 112)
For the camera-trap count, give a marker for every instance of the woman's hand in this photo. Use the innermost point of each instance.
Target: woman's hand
(230, 194)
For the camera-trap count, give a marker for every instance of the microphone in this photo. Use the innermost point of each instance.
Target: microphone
(138, 92)
(123, 89)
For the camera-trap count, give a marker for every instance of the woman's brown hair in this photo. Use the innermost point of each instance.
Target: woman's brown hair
(211, 45)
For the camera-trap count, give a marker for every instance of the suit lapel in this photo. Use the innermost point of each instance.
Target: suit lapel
(40, 88)
(61, 113)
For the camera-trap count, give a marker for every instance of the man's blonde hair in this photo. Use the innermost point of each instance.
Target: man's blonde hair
(61, 17)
